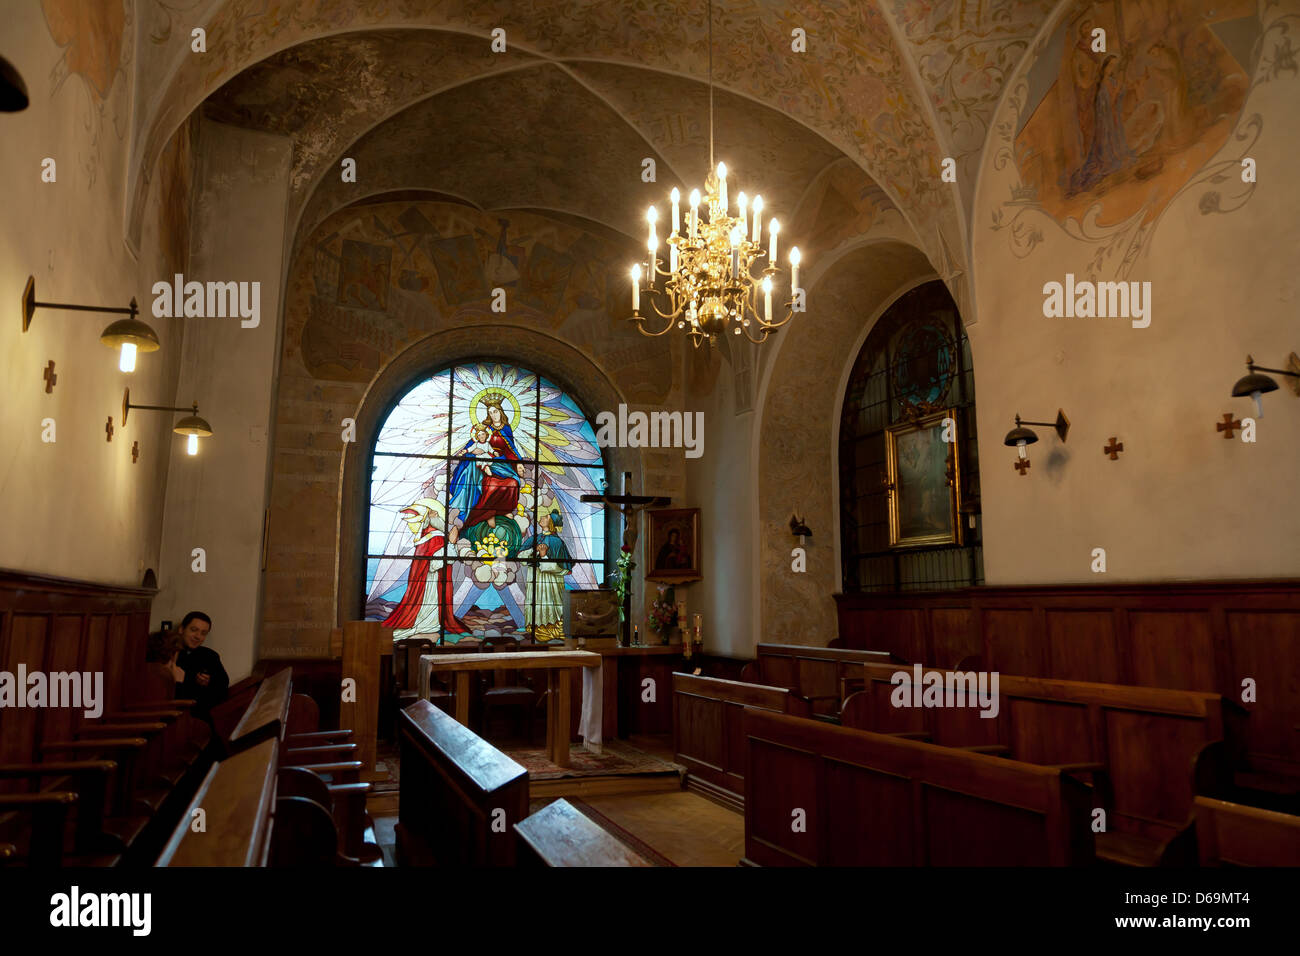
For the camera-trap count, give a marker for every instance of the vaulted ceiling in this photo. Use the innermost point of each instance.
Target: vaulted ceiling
(586, 90)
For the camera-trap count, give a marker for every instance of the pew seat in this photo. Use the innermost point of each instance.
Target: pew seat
(1230, 834)
(560, 835)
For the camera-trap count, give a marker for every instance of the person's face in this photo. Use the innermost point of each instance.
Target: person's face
(195, 633)
(495, 415)
(673, 536)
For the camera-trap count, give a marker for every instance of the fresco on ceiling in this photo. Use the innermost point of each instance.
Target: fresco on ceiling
(373, 279)
(1101, 143)
(844, 203)
(1129, 127)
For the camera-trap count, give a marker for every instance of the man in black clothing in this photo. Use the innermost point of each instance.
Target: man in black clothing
(197, 669)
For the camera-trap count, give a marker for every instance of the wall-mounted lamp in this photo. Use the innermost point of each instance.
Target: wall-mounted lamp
(130, 334)
(1021, 437)
(191, 425)
(13, 91)
(799, 528)
(1255, 384)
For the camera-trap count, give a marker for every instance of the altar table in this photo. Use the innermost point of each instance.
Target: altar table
(559, 666)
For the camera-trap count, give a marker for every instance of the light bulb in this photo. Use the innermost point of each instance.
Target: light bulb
(127, 362)
(1020, 448)
(1258, 396)
(192, 444)
(651, 215)
(722, 170)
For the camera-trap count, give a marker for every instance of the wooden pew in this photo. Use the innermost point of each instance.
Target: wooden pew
(237, 798)
(460, 796)
(872, 800)
(559, 835)
(1152, 749)
(1229, 834)
(817, 673)
(709, 733)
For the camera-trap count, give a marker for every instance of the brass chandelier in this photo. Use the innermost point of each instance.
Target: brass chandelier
(710, 283)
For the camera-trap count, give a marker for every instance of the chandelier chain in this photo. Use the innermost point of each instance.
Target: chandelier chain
(710, 84)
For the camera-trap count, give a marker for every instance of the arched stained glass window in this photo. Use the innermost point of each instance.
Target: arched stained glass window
(476, 524)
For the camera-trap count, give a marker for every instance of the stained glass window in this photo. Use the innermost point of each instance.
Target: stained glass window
(476, 524)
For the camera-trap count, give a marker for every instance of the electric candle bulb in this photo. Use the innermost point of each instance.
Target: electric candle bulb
(772, 229)
(192, 445)
(794, 268)
(758, 219)
(651, 215)
(722, 187)
(636, 288)
(672, 257)
(127, 361)
(676, 198)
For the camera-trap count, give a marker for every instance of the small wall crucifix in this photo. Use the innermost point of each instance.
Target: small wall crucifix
(1022, 466)
(108, 429)
(50, 377)
(1113, 449)
(135, 452)
(1227, 425)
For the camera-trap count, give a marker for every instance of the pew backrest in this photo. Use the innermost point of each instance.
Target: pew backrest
(560, 835)
(460, 796)
(1149, 739)
(268, 714)
(814, 672)
(1229, 834)
(237, 798)
(821, 795)
(709, 731)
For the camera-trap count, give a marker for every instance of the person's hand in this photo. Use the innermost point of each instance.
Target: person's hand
(203, 679)
(177, 673)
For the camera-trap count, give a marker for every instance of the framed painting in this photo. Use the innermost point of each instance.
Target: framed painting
(673, 551)
(924, 481)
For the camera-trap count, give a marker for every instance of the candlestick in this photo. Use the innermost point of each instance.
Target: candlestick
(758, 219)
(794, 269)
(676, 198)
(772, 229)
(767, 299)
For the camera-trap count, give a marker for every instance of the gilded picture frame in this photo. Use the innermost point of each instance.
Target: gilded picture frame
(673, 551)
(924, 481)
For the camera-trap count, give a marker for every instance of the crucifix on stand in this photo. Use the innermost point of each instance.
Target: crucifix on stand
(630, 507)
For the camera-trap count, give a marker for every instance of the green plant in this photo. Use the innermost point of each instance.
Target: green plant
(621, 578)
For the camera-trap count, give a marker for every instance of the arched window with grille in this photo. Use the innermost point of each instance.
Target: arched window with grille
(908, 459)
(476, 525)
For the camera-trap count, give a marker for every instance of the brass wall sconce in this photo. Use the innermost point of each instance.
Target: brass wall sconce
(1021, 437)
(1255, 384)
(798, 528)
(191, 425)
(129, 334)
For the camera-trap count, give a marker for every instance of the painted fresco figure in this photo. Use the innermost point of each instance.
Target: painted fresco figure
(1108, 150)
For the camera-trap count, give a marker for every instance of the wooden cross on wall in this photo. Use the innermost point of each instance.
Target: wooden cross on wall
(1227, 425)
(50, 377)
(108, 429)
(135, 452)
(630, 507)
(1113, 449)
(1022, 466)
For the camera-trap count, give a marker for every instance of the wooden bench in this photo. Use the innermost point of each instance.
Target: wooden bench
(559, 835)
(237, 799)
(460, 796)
(818, 673)
(1229, 834)
(709, 732)
(867, 799)
(1148, 750)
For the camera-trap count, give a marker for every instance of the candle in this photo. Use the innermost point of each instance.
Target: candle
(653, 245)
(758, 219)
(698, 638)
(672, 257)
(695, 212)
(636, 288)
(676, 198)
(722, 187)
(772, 229)
(767, 299)
(735, 251)
(794, 269)
(742, 202)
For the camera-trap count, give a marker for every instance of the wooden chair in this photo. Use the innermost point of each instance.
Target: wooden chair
(506, 690)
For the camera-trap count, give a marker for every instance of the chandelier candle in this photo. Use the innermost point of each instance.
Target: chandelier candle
(772, 230)
(676, 198)
(722, 188)
(758, 219)
(794, 269)
(636, 288)
(743, 203)
(695, 213)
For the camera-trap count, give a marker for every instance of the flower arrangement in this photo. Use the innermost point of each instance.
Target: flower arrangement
(621, 576)
(663, 612)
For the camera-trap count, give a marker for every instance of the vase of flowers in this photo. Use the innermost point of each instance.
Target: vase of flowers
(663, 614)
